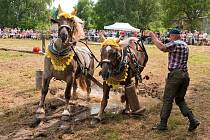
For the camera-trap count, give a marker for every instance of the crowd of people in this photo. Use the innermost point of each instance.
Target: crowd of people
(19, 33)
(191, 38)
(195, 38)
(93, 35)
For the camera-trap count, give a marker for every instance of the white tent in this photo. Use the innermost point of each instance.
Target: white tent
(122, 27)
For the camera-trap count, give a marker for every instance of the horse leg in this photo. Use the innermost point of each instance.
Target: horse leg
(88, 81)
(75, 86)
(46, 82)
(88, 88)
(104, 101)
(67, 98)
(136, 82)
(75, 94)
(136, 85)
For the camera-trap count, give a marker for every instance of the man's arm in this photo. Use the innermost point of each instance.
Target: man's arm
(157, 42)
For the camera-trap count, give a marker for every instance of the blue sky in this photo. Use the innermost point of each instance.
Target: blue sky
(66, 5)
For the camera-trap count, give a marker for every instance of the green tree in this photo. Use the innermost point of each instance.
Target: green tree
(24, 13)
(86, 12)
(138, 13)
(189, 12)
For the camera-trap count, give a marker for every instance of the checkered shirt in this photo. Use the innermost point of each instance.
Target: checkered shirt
(178, 55)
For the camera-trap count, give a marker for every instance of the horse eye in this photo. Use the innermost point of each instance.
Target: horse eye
(70, 20)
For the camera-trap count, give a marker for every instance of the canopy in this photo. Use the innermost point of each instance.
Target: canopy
(122, 27)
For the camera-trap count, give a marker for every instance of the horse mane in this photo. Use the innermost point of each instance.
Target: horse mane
(79, 31)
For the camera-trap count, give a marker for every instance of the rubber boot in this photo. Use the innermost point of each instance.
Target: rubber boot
(162, 126)
(194, 123)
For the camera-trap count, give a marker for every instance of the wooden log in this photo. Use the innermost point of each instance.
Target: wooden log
(24, 51)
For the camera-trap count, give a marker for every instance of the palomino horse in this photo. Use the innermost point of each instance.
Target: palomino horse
(120, 62)
(62, 63)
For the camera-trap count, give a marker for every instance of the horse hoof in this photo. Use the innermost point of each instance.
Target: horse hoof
(125, 112)
(35, 123)
(40, 115)
(65, 113)
(40, 110)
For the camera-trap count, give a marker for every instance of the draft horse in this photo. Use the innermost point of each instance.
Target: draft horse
(120, 62)
(64, 61)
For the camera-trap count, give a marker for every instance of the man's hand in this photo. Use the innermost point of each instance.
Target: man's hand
(152, 35)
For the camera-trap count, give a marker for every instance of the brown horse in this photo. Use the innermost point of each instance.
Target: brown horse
(120, 62)
(62, 63)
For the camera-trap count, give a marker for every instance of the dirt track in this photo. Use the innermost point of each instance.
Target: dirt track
(19, 100)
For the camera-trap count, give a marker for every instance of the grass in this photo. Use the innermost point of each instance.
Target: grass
(20, 43)
(199, 58)
(175, 121)
(109, 134)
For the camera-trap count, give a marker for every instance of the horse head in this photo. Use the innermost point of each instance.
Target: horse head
(110, 57)
(69, 28)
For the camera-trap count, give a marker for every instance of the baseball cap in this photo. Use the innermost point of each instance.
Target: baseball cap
(174, 31)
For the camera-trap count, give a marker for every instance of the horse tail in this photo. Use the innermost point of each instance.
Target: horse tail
(82, 82)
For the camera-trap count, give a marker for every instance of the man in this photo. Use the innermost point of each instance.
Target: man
(177, 80)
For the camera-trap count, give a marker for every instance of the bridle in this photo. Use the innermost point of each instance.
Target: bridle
(117, 69)
(70, 30)
(68, 43)
(109, 61)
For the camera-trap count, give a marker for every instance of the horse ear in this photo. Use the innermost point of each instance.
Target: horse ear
(54, 21)
(60, 9)
(74, 11)
(117, 40)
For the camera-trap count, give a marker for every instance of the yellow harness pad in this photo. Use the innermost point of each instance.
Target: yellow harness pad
(115, 80)
(59, 62)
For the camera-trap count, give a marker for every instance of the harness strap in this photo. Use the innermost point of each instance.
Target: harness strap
(144, 50)
(136, 64)
(83, 68)
(62, 52)
(90, 51)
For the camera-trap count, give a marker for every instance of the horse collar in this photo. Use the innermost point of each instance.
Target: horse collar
(62, 52)
(60, 59)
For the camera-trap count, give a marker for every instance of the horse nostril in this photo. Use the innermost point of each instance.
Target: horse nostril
(105, 75)
(63, 37)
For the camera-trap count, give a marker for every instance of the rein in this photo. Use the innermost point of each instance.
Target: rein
(90, 51)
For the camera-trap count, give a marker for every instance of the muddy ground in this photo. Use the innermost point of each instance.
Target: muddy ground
(19, 100)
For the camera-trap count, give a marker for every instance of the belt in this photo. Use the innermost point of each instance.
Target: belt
(183, 70)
